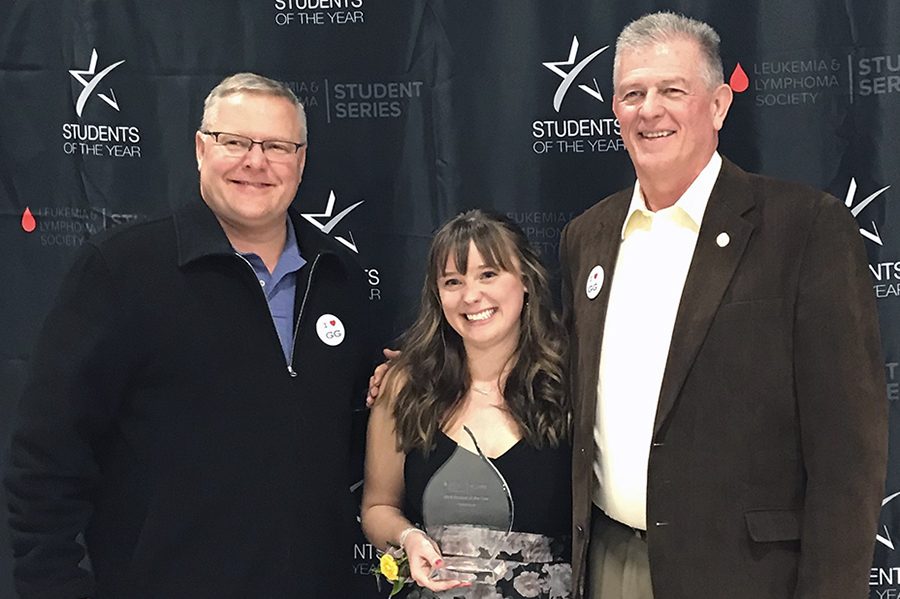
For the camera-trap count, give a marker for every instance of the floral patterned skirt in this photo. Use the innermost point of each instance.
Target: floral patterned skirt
(520, 565)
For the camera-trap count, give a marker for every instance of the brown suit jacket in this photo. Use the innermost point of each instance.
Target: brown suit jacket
(769, 450)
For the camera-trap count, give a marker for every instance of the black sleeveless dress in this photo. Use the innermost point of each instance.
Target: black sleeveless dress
(536, 554)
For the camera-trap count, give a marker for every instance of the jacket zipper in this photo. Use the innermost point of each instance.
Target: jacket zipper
(312, 270)
(309, 279)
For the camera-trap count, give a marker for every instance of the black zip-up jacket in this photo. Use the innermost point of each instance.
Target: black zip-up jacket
(161, 421)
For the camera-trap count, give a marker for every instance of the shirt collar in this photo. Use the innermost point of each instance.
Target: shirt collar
(291, 255)
(691, 204)
(199, 235)
(290, 260)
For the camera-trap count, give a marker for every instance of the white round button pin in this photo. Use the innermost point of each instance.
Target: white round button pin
(330, 329)
(722, 240)
(594, 282)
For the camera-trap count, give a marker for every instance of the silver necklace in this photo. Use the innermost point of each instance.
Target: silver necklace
(485, 392)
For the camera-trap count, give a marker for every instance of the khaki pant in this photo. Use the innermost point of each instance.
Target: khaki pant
(618, 567)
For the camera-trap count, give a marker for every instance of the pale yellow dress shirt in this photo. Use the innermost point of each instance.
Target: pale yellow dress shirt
(651, 268)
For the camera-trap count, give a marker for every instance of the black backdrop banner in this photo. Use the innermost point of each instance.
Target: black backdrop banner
(417, 110)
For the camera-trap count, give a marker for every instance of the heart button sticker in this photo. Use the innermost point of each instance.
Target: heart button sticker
(594, 282)
(330, 330)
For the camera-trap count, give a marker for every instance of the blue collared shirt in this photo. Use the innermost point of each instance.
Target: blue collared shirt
(280, 287)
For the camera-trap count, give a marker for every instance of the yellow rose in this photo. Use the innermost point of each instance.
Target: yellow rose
(389, 567)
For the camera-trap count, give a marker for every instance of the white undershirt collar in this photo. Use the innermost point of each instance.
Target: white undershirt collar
(691, 205)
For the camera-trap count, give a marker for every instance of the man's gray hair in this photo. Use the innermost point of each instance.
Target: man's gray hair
(255, 84)
(662, 27)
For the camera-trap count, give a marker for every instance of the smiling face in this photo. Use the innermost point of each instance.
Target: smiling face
(668, 113)
(484, 304)
(249, 193)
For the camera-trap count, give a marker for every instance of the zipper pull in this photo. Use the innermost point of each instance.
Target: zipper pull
(291, 371)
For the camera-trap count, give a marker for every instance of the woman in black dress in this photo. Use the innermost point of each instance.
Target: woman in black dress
(467, 460)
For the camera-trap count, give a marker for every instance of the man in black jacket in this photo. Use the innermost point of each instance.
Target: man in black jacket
(187, 411)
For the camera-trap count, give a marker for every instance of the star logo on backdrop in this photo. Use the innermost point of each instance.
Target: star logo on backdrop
(872, 235)
(333, 219)
(885, 539)
(568, 78)
(91, 84)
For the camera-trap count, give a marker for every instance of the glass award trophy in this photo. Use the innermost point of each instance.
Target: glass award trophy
(468, 510)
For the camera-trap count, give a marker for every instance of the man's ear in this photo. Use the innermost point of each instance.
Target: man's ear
(301, 160)
(199, 148)
(722, 98)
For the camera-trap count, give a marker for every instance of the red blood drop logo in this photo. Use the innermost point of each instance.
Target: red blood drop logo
(28, 222)
(739, 81)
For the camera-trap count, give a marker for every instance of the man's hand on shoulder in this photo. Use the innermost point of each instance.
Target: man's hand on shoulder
(378, 375)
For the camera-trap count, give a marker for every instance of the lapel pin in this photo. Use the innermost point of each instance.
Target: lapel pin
(594, 282)
(722, 240)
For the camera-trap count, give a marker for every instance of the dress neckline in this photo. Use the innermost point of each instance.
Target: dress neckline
(501, 456)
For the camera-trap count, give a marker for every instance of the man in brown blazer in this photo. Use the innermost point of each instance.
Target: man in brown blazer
(728, 387)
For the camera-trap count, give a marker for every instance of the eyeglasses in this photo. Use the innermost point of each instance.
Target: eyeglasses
(275, 150)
